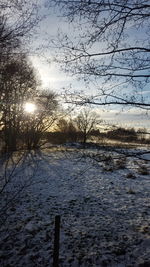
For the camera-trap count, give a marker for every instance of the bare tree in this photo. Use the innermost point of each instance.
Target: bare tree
(18, 80)
(111, 49)
(86, 121)
(19, 85)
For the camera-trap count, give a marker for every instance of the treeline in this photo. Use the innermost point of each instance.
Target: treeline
(128, 135)
(71, 133)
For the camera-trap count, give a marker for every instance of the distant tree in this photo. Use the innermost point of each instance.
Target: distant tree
(142, 133)
(62, 126)
(123, 134)
(72, 131)
(86, 122)
(68, 130)
(95, 132)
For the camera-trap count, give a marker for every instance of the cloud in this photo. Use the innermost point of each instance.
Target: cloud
(130, 118)
(49, 74)
(145, 92)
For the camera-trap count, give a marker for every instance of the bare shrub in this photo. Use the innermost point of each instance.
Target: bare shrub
(109, 164)
(120, 163)
(130, 175)
(143, 170)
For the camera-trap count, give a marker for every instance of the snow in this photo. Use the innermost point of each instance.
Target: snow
(103, 200)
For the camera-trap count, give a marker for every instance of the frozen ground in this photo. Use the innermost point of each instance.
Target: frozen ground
(104, 203)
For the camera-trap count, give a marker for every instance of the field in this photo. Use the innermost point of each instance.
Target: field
(103, 199)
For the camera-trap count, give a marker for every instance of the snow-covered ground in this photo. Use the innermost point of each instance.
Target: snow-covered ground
(103, 201)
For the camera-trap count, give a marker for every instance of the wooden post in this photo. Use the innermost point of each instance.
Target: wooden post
(56, 242)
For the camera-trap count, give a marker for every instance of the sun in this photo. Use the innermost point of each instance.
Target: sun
(29, 107)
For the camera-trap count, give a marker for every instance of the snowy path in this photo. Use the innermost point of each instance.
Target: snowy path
(105, 216)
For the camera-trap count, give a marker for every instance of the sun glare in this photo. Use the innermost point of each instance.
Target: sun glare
(29, 107)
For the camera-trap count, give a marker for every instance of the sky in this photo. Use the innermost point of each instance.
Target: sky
(55, 79)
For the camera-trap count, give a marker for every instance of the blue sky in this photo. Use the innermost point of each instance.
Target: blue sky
(55, 79)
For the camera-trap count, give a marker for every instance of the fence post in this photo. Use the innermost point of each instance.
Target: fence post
(56, 242)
